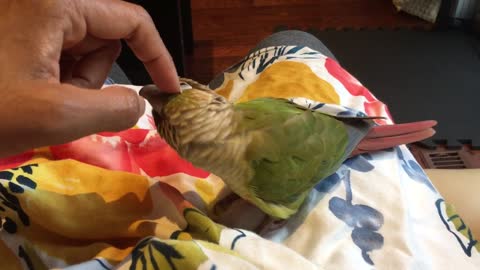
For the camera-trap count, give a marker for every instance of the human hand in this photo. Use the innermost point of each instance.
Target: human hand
(54, 54)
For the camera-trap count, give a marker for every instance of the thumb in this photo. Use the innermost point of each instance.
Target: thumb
(49, 113)
(113, 108)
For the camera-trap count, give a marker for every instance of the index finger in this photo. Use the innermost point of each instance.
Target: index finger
(115, 19)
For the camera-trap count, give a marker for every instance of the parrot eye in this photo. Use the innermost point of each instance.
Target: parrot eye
(219, 99)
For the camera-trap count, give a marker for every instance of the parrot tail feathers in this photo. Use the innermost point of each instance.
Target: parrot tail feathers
(386, 136)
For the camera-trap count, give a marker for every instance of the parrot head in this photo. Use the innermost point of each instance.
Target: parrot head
(192, 116)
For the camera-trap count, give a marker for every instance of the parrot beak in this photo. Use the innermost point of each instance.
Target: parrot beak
(156, 97)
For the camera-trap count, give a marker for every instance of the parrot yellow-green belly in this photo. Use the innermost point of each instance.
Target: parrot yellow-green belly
(276, 154)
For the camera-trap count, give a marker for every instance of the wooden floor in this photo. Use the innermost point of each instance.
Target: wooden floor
(225, 30)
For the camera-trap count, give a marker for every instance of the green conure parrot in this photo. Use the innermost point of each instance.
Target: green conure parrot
(269, 151)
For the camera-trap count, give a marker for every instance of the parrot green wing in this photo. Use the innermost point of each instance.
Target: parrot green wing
(291, 149)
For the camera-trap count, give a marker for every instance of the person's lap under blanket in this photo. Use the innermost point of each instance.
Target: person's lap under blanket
(127, 201)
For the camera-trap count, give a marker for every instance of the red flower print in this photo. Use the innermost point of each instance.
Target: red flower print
(133, 150)
(372, 106)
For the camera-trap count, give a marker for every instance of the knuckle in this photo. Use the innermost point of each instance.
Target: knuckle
(141, 12)
(58, 9)
(54, 7)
